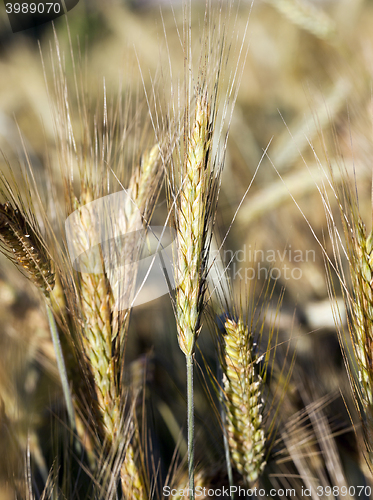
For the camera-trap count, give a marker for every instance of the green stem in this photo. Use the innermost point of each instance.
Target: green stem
(61, 368)
(223, 415)
(189, 364)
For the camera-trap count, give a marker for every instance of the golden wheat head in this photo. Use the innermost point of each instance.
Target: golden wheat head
(22, 245)
(194, 203)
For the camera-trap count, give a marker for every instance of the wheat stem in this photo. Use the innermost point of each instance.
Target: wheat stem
(225, 434)
(190, 398)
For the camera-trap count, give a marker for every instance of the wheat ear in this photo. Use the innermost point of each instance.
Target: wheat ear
(21, 242)
(243, 391)
(132, 481)
(105, 327)
(22, 245)
(357, 291)
(96, 305)
(361, 269)
(191, 231)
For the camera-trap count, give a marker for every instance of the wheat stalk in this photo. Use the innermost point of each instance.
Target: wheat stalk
(195, 201)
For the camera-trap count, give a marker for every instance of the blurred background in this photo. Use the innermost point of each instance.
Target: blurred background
(305, 91)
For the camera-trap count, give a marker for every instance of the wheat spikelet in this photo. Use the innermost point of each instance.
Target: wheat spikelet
(22, 245)
(194, 204)
(243, 389)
